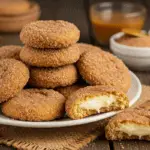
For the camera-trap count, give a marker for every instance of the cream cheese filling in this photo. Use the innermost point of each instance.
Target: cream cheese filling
(96, 103)
(134, 129)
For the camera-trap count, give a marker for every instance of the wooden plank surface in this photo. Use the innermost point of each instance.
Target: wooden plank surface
(98, 145)
(3, 147)
(144, 77)
(131, 145)
(9, 39)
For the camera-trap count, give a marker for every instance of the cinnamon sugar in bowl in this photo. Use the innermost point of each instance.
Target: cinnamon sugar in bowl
(134, 41)
(134, 51)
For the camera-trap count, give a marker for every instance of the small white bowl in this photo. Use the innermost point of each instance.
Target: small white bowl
(136, 58)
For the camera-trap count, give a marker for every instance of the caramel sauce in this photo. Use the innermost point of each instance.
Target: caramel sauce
(105, 25)
(134, 32)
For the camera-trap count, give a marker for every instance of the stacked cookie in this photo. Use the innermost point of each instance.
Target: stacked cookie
(51, 51)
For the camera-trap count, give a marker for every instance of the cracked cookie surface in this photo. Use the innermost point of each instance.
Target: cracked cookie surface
(50, 57)
(10, 51)
(35, 105)
(53, 77)
(14, 76)
(50, 34)
(102, 68)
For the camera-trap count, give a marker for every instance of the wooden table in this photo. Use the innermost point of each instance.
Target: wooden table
(76, 11)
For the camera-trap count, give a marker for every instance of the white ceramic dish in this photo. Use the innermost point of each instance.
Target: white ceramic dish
(137, 58)
(133, 94)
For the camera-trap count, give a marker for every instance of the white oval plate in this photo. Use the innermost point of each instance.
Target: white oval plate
(133, 95)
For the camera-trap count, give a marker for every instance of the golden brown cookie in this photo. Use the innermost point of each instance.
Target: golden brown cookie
(16, 22)
(13, 7)
(53, 77)
(35, 105)
(13, 77)
(93, 100)
(66, 91)
(131, 124)
(102, 68)
(83, 47)
(10, 51)
(50, 57)
(50, 34)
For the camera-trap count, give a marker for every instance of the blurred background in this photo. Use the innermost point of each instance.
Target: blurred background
(76, 11)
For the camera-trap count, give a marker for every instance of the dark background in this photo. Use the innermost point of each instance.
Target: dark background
(75, 11)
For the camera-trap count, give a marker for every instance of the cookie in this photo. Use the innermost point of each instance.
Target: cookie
(13, 76)
(35, 105)
(10, 51)
(93, 100)
(15, 23)
(13, 7)
(131, 124)
(53, 77)
(66, 91)
(83, 47)
(50, 34)
(102, 68)
(50, 57)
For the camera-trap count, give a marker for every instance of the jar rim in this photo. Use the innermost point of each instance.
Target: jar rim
(140, 8)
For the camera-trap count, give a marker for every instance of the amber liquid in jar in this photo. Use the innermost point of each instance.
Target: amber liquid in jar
(104, 25)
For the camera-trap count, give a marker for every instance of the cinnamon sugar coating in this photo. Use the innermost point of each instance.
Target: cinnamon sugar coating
(103, 68)
(138, 116)
(53, 77)
(50, 34)
(35, 105)
(68, 90)
(83, 47)
(134, 41)
(10, 51)
(13, 77)
(50, 57)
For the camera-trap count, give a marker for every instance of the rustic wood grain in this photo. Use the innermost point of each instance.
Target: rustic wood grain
(9, 39)
(3, 147)
(125, 145)
(144, 145)
(144, 77)
(131, 145)
(98, 145)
